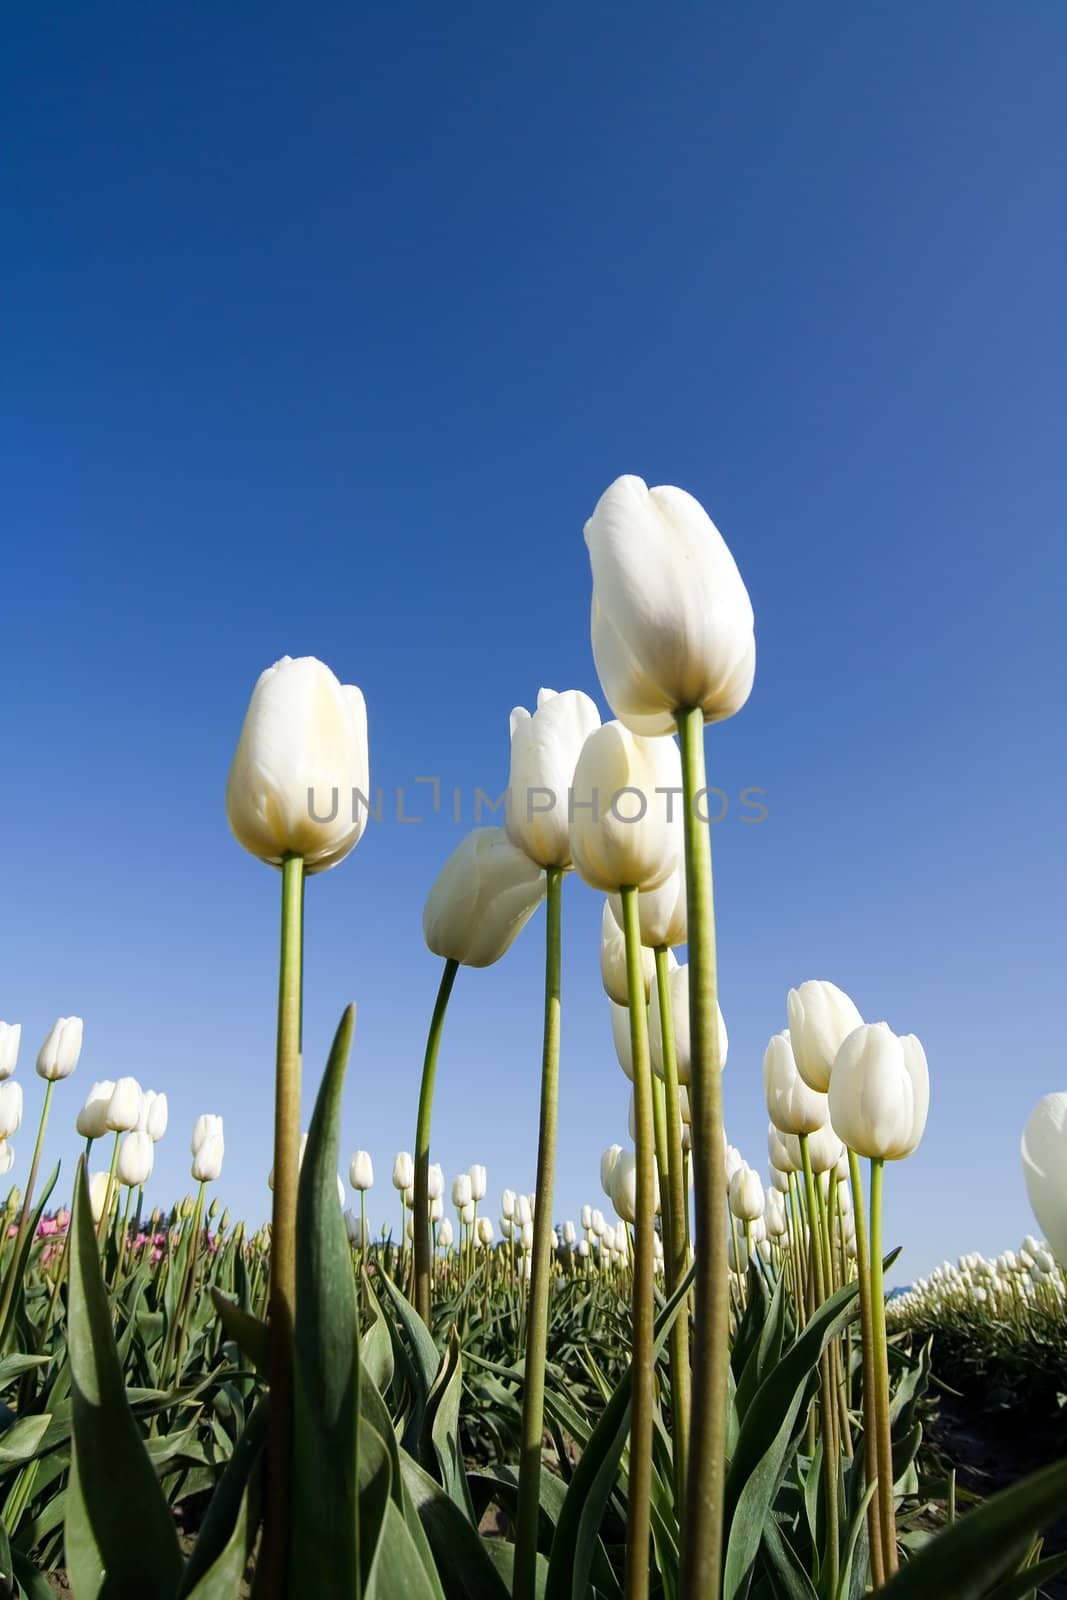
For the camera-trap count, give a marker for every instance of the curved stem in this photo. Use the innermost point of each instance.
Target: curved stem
(282, 1298)
(702, 1543)
(881, 1374)
(533, 1391)
(875, 1539)
(639, 1501)
(420, 1225)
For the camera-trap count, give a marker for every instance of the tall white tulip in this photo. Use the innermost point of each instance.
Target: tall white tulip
(461, 1190)
(91, 1121)
(153, 1118)
(299, 784)
(209, 1126)
(208, 1158)
(481, 900)
(361, 1171)
(10, 1107)
(58, 1056)
(679, 987)
(626, 811)
(403, 1171)
(746, 1194)
(445, 1234)
(134, 1164)
(479, 1182)
(672, 622)
(544, 751)
(821, 1016)
(608, 1163)
(124, 1107)
(613, 959)
(99, 1190)
(879, 1092)
(661, 912)
(10, 1037)
(791, 1105)
(1044, 1153)
(624, 1186)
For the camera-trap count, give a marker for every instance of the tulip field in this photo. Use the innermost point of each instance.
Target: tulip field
(694, 1388)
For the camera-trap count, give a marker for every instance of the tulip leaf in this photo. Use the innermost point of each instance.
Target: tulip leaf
(968, 1559)
(462, 1560)
(376, 1348)
(1027, 1582)
(248, 1333)
(441, 1425)
(790, 1578)
(325, 1542)
(17, 1266)
(228, 1533)
(119, 1535)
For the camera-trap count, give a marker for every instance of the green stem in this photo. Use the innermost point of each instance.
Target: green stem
(875, 1539)
(105, 1215)
(827, 1391)
(881, 1373)
(639, 1502)
(283, 1227)
(421, 1212)
(678, 1253)
(533, 1394)
(27, 1206)
(702, 1541)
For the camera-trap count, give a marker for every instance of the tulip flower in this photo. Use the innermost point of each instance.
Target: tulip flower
(626, 824)
(461, 1190)
(821, 1016)
(484, 1234)
(507, 1203)
(92, 1118)
(134, 1165)
(746, 1194)
(792, 1106)
(624, 1187)
(678, 980)
(300, 778)
(124, 1107)
(879, 1092)
(445, 1235)
(361, 1172)
(1044, 1154)
(153, 1117)
(435, 1181)
(661, 912)
(208, 1126)
(403, 1171)
(483, 897)
(10, 1108)
(479, 1182)
(613, 960)
(10, 1036)
(100, 1188)
(544, 751)
(207, 1160)
(672, 622)
(58, 1056)
(608, 1163)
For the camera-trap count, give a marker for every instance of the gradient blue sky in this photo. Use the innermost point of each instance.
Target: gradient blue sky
(323, 330)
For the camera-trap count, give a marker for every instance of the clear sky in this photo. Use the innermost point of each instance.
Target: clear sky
(323, 330)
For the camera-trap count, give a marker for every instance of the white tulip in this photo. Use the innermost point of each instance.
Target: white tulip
(523, 1210)
(821, 1016)
(620, 1033)
(624, 1186)
(361, 1172)
(679, 991)
(792, 1106)
(134, 1164)
(507, 1204)
(661, 912)
(358, 1234)
(613, 960)
(746, 1194)
(824, 1149)
(481, 900)
(207, 1160)
(879, 1092)
(437, 1209)
(403, 1171)
(583, 1248)
(774, 1214)
(597, 1223)
(7, 1157)
(586, 1218)
(479, 1182)
(484, 1232)
(544, 751)
(209, 1126)
(435, 1181)
(91, 1121)
(626, 810)
(570, 1234)
(10, 1037)
(10, 1107)
(672, 622)
(300, 780)
(1044, 1153)
(58, 1056)
(461, 1191)
(153, 1117)
(467, 1213)
(99, 1184)
(608, 1163)
(445, 1234)
(124, 1107)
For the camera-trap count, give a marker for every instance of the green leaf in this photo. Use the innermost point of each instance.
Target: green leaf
(324, 1558)
(249, 1334)
(376, 1349)
(17, 1267)
(462, 1559)
(1025, 1583)
(441, 1425)
(119, 1535)
(228, 1532)
(22, 1440)
(790, 1579)
(969, 1559)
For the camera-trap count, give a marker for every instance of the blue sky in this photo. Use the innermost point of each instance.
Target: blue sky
(322, 334)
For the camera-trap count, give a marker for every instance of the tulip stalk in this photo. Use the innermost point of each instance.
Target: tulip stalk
(282, 1294)
(875, 1538)
(533, 1394)
(24, 1218)
(881, 1374)
(423, 1245)
(701, 1557)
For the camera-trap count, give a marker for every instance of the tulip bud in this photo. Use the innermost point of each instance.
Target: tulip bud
(485, 1232)
(792, 1106)
(58, 1056)
(207, 1126)
(879, 1092)
(523, 1210)
(98, 1187)
(207, 1160)
(821, 1016)
(134, 1164)
(461, 1190)
(661, 912)
(746, 1194)
(403, 1171)
(435, 1181)
(124, 1107)
(678, 982)
(361, 1172)
(153, 1118)
(626, 827)
(481, 900)
(437, 1209)
(10, 1107)
(570, 1234)
(92, 1118)
(613, 960)
(544, 752)
(479, 1183)
(586, 1218)
(10, 1036)
(672, 623)
(300, 779)
(624, 1187)
(445, 1234)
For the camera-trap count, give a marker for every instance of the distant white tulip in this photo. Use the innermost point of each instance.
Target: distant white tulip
(672, 622)
(570, 1234)
(361, 1172)
(153, 1118)
(10, 1037)
(608, 1163)
(403, 1171)
(437, 1209)
(124, 1107)
(445, 1234)
(58, 1056)
(586, 1218)
(821, 1016)
(207, 1160)
(479, 1182)
(544, 751)
(435, 1181)
(481, 900)
(91, 1121)
(507, 1203)
(300, 780)
(613, 960)
(208, 1125)
(134, 1164)
(746, 1194)
(484, 1232)
(626, 810)
(10, 1107)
